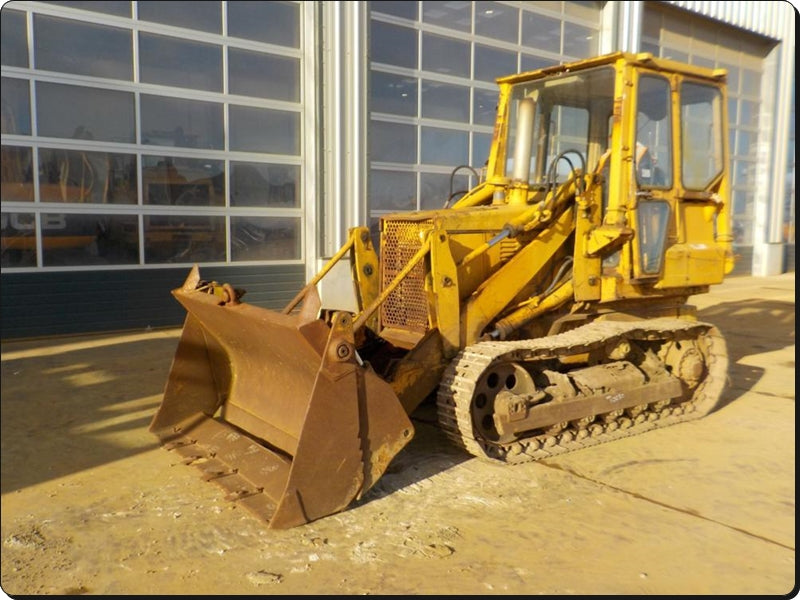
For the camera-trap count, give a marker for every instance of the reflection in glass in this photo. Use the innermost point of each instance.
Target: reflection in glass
(455, 15)
(392, 142)
(435, 189)
(70, 46)
(264, 130)
(653, 218)
(203, 16)
(444, 146)
(540, 32)
(263, 75)
(393, 45)
(653, 133)
(79, 176)
(16, 106)
(579, 41)
(445, 101)
(180, 122)
(16, 164)
(182, 63)
(496, 20)
(270, 22)
(481, 143)
(491, 63)
(392, 190)
(78, 240)
(445, 55)
(184, 238)
(13, 39)
(395, 94)
(18, 240)
(69, 111)
(407, 10)
(258, 184)
(484, 107)
(265, 238)
(701, 134)
(177, 181)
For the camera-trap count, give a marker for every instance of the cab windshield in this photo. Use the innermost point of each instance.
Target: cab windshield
(563, 121)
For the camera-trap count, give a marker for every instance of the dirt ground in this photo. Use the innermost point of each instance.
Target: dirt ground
(92, 505)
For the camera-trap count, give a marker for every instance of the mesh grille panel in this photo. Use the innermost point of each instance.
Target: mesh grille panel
(406, 307)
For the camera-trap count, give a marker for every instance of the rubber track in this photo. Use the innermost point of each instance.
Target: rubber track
(460, 378)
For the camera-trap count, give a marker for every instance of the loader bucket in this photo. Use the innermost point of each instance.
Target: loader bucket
(276, 408)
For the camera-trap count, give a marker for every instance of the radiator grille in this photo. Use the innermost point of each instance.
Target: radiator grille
(406, 307)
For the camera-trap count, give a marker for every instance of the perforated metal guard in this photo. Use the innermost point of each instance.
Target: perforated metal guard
(406, 307)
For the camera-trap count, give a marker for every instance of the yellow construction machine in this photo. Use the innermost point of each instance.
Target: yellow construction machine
(544, 310)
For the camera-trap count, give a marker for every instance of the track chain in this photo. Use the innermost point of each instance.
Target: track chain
(460, 378)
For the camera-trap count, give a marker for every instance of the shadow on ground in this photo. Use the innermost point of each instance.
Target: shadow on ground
(77, 406)
(750, 327)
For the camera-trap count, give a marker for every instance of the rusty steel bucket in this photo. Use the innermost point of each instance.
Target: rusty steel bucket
(277, 408)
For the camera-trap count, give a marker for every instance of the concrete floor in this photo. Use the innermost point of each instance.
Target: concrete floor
(91, 504)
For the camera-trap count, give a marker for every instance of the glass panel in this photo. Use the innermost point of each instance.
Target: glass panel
(70, 111)
(264, 130)
(562, 107)
(394, 94)
(484, 107)
(580, 42)
(265, 238)
(16, 106)
(445, 101)
(748, 113)
(701, 134)
(407, 10)
(733, 77)
(392, 44)
(13, 39)
(18, 240)
(263, 75)
(392, 190)
(16, 163)
(435, 189)
(392, 142)
(445, 55)
(270, 22)
(481, 144)
(109, 7)
(78, 240)
(258, 184)
(751, 82)
(746, 145)
(540, 32)
(743, 231)
(78, 176)
(674, 54)
(496, 20)
(82, 48)
(454, 15)
(653, 220)
(653, 133)
(176, 181)
(203, 16)
(491, 63)
(529, 62)
(179, 122)
(184, 238)
(182, 63)
(444, 146)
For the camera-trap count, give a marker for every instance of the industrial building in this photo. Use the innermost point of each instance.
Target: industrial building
(140, 138)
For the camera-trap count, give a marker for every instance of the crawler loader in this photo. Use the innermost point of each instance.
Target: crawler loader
(544, 310)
